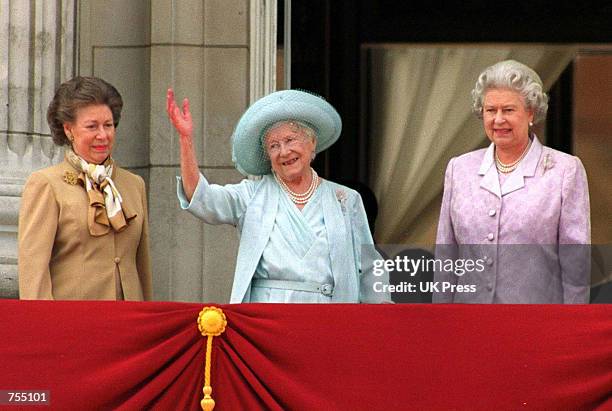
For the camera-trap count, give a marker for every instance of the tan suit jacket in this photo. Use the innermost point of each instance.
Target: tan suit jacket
(59, 259)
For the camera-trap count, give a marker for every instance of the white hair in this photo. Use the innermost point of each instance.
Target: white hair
(297, 125)
(512, 75)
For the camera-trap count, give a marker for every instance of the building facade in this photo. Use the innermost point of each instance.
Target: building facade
(218, 53)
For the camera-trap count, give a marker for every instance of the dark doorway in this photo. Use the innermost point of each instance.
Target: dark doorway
(327, 36)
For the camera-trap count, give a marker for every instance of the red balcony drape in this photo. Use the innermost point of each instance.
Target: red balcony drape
(132, 356)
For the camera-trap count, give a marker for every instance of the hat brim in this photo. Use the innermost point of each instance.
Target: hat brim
(247, 151)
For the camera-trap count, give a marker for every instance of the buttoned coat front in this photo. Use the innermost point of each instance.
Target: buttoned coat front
(531, 233)
(59, 259)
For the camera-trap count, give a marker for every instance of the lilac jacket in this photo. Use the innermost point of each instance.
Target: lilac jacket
(531, 233)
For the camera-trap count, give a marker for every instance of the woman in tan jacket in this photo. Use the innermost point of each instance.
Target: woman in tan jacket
(83, 224)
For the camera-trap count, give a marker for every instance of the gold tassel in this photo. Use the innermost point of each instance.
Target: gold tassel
(211, 323)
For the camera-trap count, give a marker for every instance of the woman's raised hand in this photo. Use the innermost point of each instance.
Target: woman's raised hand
(181, 120)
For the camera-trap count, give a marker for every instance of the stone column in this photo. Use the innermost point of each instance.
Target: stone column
(218, 53)
(36, 55)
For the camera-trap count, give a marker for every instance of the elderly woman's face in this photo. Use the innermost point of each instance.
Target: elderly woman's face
(93, 133)
(505, 118)
(290, 152)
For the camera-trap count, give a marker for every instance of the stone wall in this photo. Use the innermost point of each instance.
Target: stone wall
(37, 46)
(219, 54)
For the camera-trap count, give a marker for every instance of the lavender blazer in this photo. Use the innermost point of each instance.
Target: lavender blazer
(531, 233)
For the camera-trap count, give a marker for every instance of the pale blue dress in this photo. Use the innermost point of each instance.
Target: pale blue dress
(296, 251)
(323, 244)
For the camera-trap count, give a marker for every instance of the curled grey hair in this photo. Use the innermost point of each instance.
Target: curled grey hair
(301, 127)
(512, 75)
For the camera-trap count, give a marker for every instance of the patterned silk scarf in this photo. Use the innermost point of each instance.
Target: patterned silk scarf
(105, 208)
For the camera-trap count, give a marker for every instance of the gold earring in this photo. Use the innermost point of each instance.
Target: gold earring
(69, 135)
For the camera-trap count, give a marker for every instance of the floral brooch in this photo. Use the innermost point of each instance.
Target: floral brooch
(71, 178)
(547, 163)
(341, 196)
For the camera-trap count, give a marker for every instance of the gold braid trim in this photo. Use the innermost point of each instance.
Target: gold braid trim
(211, 323)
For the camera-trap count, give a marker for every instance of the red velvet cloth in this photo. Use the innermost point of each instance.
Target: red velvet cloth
(131, 356)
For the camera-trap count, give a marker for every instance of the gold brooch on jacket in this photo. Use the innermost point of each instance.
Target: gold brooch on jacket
(71, 178)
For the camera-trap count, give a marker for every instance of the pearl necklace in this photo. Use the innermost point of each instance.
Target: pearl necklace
(298, 198)
(508, 168)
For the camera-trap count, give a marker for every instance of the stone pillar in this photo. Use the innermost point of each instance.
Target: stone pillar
(36, 55)
(219, 54)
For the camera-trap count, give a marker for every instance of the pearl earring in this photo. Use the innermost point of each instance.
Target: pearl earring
(530, 124)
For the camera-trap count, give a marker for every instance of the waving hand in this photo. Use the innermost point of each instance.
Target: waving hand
(181, 120)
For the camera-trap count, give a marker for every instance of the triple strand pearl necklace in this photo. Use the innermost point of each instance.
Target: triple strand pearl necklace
(298, 198)
(508, 168)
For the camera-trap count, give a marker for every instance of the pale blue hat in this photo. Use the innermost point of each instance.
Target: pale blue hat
(248, 153)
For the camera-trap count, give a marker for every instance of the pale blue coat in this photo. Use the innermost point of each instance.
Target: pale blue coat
(251, 206)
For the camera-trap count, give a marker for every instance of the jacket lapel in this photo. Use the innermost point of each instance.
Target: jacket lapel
(258, 224)
(490, 181)
(338, 237)
(526, 168)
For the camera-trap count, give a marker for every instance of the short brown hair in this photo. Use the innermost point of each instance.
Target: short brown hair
(77, 93)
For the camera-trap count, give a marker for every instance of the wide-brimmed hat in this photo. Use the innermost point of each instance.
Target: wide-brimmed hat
(248, 153)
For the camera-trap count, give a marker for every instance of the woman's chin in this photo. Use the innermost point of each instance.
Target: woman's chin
(503, 141)
(291, 172)
(98, 158)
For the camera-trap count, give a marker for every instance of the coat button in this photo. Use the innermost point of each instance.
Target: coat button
(490, 236)
(117, 260)
(327, 290)
(492, 212)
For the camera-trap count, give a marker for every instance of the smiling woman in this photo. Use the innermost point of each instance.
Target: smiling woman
(83, 225)
(92, 133)
(506, 122)
(516, 193)
(290, 146)
(301, 237)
